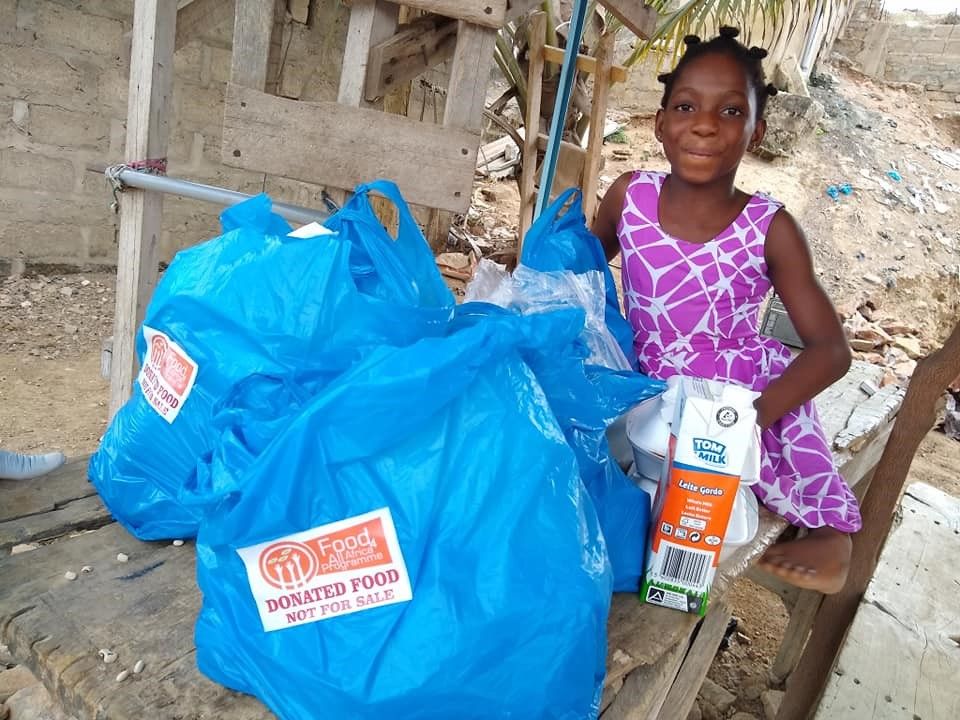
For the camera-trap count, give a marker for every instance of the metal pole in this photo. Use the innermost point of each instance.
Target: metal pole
(206, 193)
(564, 90)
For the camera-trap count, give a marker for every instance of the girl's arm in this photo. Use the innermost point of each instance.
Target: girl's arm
(608, 216)
(826, 354)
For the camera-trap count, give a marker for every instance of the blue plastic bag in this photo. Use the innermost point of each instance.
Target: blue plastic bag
(416, 543)
(586, 399)
(561, 240)
(255, 301)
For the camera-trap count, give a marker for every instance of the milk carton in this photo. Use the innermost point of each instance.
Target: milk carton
(712, 431)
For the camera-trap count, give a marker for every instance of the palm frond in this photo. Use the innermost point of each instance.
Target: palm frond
(699, 17)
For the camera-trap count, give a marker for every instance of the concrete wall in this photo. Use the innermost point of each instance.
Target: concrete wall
(64, 68)
(785, 43)
(918, 50)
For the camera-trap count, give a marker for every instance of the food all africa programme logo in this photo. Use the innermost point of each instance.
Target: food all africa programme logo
(176, 369)
(288, 565)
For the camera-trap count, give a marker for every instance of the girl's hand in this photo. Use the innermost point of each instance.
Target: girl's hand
(826, 354)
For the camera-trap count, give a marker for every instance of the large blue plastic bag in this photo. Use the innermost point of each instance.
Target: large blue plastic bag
(561, 240)
(447, 456)
(586, 399)
(255, 301)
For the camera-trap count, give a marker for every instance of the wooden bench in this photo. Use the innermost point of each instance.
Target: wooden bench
(901, 658)
(145, 608)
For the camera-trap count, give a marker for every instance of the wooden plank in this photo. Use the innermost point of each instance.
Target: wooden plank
(796, 634)
(914, 420)
(640, 18)
(416, 48)
(469, 77)
(255, 43)
(644, 690)
(836, 403)
(869, 417)
(371, 22)
(198, 16)
(488, 13)
(598, 119)
(910, 605)
(528, 174)
(144, 609)
(683, 692)
(148, 127)
(585, 63)
(49, 507)
(330, 144)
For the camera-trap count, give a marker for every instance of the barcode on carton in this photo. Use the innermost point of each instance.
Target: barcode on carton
(684, 565)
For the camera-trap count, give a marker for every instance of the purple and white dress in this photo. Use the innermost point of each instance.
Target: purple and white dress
(694, 308)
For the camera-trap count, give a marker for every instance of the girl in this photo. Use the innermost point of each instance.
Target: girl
(699, 255)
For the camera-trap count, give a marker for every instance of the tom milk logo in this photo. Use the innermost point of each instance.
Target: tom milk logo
(710, 451)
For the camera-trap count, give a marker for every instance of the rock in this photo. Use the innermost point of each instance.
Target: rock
(791, 119)
(457, 261)
(787, 76)
(873, 358)
(905, 369)
(862, 345)
(873, 279)
(874, 334)
(66, 291)
(34, 703)
(753, 686)
(898, 329)
(709, 712)
(716, 695)
(889, 378)
(695, 712)
(910, 345)
(489, 194)
(14, 680)
(771, 700)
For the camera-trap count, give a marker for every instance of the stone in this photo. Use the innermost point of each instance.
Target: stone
(787, 76)
(873, 279)
(905, 369)
(457, 261)
(14, 680)
(862, 345)
(898, 329)
(753, 686)
(716, 695)
(910, 345)
(34, 703)
(874, 334)
(791, 119)
(695, 712)
(771, 700)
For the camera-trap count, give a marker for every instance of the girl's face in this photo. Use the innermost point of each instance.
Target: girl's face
(709, 121)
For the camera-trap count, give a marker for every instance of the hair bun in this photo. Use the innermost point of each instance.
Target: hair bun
(758, 53)
(771, 89)
(664, 77)
(691, 40)
(729, 32)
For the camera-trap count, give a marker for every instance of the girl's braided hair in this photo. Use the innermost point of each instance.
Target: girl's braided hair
(725, 43)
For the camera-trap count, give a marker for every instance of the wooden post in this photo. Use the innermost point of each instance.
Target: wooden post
(598, 120)
(148, 106)
(640, 18)
(256, 46)
(914, 420)
(528, 173)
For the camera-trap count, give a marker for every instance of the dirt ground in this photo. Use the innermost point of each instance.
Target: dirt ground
(873, 245)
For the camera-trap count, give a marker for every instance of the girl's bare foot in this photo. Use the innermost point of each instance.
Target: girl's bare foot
(818, 561)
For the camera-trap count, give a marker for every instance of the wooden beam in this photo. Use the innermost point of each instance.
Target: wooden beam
(683, 691)
(489, 13)
(201, 15)
(334, 145)
(256, 47)
(469, 77)
(641, 19)
(585, 63)
(416, 48)
(835, 615)
(528, 172)
(371, 22)
(598, 119)
(148, 127)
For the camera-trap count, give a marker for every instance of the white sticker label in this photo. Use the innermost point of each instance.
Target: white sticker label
(167, 375)
(336, 569)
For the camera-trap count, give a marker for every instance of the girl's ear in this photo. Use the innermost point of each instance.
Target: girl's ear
(759, 131)
(658, 126)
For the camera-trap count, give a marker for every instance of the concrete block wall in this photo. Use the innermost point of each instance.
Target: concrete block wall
(926, 53)
(64, 69)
